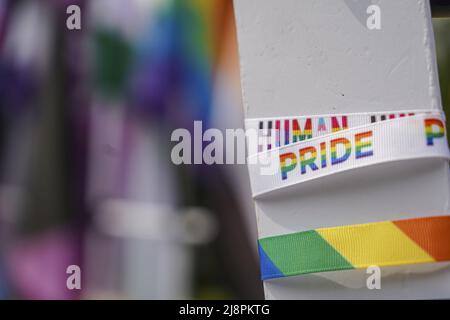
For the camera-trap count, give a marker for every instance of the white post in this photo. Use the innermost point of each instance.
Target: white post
(324, 57)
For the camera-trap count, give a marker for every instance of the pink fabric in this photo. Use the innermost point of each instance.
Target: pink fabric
(37, 266)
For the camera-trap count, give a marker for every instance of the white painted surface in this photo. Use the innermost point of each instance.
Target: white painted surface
(318, 57)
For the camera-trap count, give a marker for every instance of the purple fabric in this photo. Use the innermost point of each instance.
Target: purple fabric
(37, 266)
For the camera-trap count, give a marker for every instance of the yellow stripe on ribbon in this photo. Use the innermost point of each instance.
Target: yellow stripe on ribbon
(382, 242)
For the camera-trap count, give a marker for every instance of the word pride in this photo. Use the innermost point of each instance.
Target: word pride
(340, 150)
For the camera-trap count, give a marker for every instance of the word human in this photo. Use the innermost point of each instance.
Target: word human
(281, 132)
(278, 132)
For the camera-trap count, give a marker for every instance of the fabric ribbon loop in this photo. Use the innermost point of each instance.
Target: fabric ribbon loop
(389, 243)
(411, 136)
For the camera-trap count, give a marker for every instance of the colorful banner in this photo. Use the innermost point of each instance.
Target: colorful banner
(389, 243)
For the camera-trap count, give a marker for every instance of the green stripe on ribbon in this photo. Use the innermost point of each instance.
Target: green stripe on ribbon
(300, 253)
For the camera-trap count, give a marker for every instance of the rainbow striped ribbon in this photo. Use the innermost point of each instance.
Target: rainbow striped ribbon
(389, 243)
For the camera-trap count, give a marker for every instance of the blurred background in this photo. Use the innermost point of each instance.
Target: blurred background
(86, 176)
